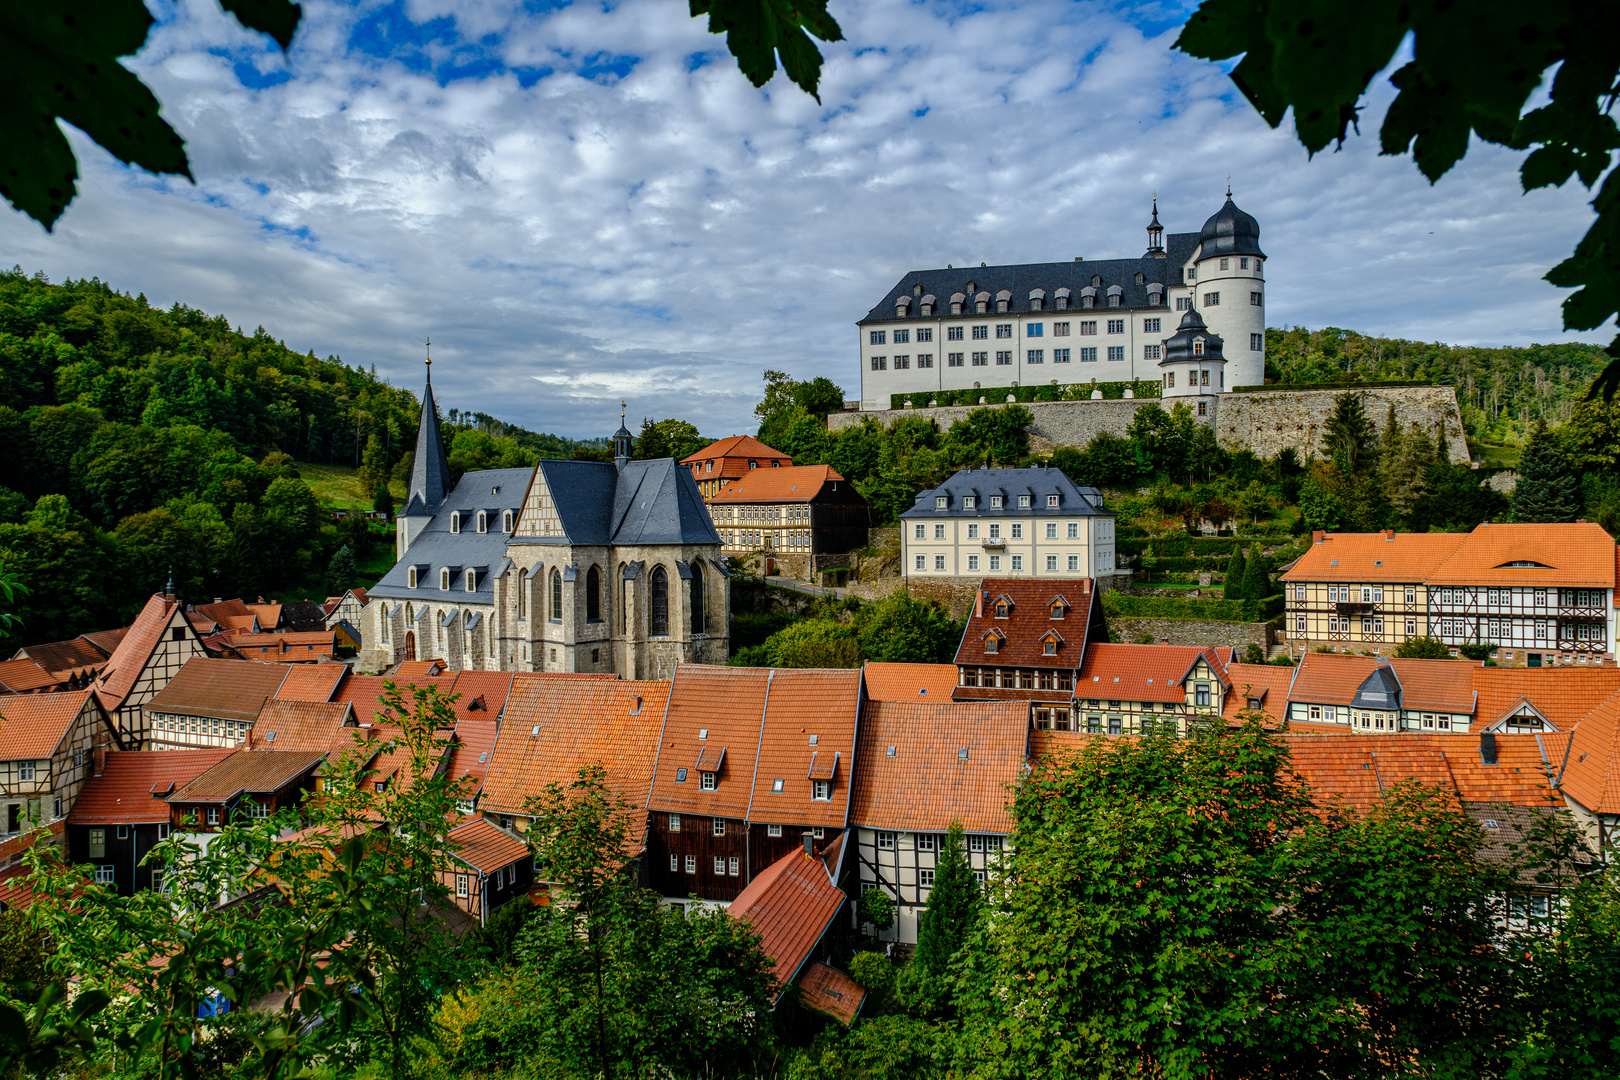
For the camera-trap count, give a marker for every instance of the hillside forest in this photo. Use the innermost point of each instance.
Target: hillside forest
(139, 442)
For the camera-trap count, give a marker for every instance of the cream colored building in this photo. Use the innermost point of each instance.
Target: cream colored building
(1362, 592)
(1008, 523)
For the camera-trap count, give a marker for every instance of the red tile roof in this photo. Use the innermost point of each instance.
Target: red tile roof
(484, 847)
(802, 704)
(794, 483)
(474, 746)
(132, 786)
(21, 676)
(580, 722)
(910, 682)
(712, 725)
(1443, 685)
(1029, 621)
(125, 665)
(1267, 682)
(927, 783)
(1357, 557)
(1356, 770)
(1142, 672)
(229, 689)
(256, 771)
(32, 726)
(1562, 695)
(312, 682)
(830, 991)
(302, 725)
(790, 904)
(731, 457)
(64, 658)
(1591, 773)
(304, 645)
(482, 694)
(419, 669)
(106, 641)
(1570, 554)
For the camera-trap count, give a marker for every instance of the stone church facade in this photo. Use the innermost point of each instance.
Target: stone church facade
(572, 566)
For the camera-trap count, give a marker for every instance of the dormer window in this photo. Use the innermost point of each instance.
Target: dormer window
(506, 521)
(927, 304)
(1001, 609)
(968, 501)
(455, 521)
(444, 579)
(995, 502)
(1051, 500)
(1114, 300)
(472, 581)
(981, 303)
(991, 644)
(1062, 298)
(1003, 300)
(1037, 299)
(410, 577)
(941, 502)
(1023, 501)
(957, 300)
(1140, 277)
(483, 522)
(1049, 647)
(708, 781)
(753, 464)
(1057, 609)
(1198, 346)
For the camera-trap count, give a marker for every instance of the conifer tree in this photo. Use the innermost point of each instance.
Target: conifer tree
(953, 904)
(1390, 452)
(1234, 575)
(1548, 488)
(341, 571)
(1348, 436)
(1256, 578)
(1410, 480)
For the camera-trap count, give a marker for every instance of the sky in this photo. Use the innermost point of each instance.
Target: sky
(583, 203)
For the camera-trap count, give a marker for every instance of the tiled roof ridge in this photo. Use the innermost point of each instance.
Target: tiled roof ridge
(759, 744)
(148, 626)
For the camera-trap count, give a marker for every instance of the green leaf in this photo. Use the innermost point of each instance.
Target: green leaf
(90, 1002)
(758, 31)
(278, 18)
(13, 1031)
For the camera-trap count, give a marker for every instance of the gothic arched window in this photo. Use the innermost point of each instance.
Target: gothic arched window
(556, 596)
(522, 594)
(624, 602)
(696, 602)
(658, 614)
(593, 595)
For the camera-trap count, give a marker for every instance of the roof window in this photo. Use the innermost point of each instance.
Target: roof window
(941, 501)
(680, 776)
(455, 521)
(472, 580)
(961, 755)
(703, 733)
(1051, 500)
(776, 786)
(1023, 500)
(444, 579)
(483, 522)
(889, 752)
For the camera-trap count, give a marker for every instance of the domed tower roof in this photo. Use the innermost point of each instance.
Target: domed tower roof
(1229, 231)
(1192, 341)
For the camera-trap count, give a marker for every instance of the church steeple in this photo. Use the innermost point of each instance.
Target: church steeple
(1155, 231)
(430, 472)
(622, 440)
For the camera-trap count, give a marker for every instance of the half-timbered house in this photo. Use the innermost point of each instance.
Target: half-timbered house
(1128, 689)
(1025, 641)
(47, 749)
(489, 867)
(124, 812)
(155, 648)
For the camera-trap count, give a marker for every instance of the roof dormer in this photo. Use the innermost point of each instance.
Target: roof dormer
(1003, 300)
(927, 303)
(1051, 642)
(1037, 299)
(981, 302)
(957, 300)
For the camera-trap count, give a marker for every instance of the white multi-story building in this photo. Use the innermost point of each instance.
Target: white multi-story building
(992, 327)
(1008, 523)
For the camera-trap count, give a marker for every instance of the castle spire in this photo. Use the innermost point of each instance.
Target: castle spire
(1155, 231)
(622, 440)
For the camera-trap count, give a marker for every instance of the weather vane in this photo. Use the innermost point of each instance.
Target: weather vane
(429, 352)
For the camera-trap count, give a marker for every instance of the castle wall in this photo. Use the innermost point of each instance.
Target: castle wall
(1265, 422)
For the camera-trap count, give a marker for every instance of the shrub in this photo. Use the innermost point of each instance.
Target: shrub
(878, 909)
(872, 970)
(1423, 648)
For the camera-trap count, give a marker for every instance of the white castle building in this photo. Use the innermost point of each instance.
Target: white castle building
(992, 327)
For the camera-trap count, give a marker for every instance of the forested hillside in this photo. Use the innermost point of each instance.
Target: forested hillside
(1503, 392)
(134, 441)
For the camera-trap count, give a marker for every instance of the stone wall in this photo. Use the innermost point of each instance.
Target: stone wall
(1264, 422)
(1196, 632)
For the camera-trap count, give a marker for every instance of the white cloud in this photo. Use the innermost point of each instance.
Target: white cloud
(662, 232)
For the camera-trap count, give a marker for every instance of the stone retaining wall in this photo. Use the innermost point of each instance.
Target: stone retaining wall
(1196, 632)
(1265, 422)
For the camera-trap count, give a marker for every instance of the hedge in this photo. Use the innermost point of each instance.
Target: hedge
(1184, 564)
(997, 395)
(1337, 384)
(1184, 545)
(1169, 607)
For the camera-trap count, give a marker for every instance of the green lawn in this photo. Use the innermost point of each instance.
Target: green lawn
(339, 485)
(1493, 456)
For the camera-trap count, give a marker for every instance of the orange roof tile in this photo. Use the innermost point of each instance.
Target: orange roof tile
(34, 725)
(790, 904)
(21, 676)
(794, 483)
(420, 669)
(1052, 747)
(1357, 769)
(482, 694)
(910, 682)
(1268, 682)
(1562, 695)
(301, 725)
(1374, 557)
(803, 704)
(107, 641)
(712, 724)
(257, 771)
(830, 991)
(928, 783)
(132, 785)
(228, 689)
(1142, 672)
(485, 848)
(69, 657)
(1591, 773)
(1445, 685)
(1574, 553)
(580, 722)
(733, 446)
(312, 682)
(129, 660)
(474, 746)
(1331, 678)
(1029, 621)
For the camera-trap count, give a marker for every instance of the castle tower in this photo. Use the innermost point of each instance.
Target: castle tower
(1155, 231)
(1194, 363)
(430, 473)
(1229, 290)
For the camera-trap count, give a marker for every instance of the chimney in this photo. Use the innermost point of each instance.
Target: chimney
(978, 604)
(1085, 586)
(1317, 536)
(1389, 534)
(1487, 748)
(98, 758)
(810, 845)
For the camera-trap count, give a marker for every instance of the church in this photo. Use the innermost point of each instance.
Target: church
(571, 566)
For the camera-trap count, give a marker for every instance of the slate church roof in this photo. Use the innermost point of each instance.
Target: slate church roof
(493, 490)
(647, 502)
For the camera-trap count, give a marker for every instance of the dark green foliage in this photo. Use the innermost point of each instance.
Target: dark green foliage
(883, 1048)
(667, 438)
(877, 908)
(1253, 654)
(814, 643)
(1256, 577)
(1347, 437)
(1455, 501)
(1472, 71)
(901, 629)
(995, 437)
(1549, 489)
(1423, 648)
(953, 909)
(382, 500)
(1479, 651)
(1116, 606)
(1233, 588)
(340, 572)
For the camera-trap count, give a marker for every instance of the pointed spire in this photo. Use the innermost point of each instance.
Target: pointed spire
(1155, 231)
(622, 440)
(430, 472)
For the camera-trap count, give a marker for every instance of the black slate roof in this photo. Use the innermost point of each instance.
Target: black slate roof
(437, 547)
(430, 472)
(649, 502)
(1010, 483)
(1021, 280)
(1178, 347)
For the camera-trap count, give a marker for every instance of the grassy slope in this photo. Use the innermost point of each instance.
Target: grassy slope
(339, 485)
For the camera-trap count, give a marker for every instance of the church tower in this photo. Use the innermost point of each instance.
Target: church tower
(623, 441)
(1229, 290)
(430, 473)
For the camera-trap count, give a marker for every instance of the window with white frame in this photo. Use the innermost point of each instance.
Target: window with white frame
(720, 865)
(885, 841)
(1052, 563)
(674, 864)
(1017, 562)
(719, 827)
(674, 823)
(691, 864)
(922, 562)
(708, 781)
(104, 875)
(1074, 562)
(973, 562)
(925, 879)
(939, 562)
(461, 886)
(773, 830)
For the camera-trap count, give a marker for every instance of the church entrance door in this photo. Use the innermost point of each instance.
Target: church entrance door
(410, 644)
